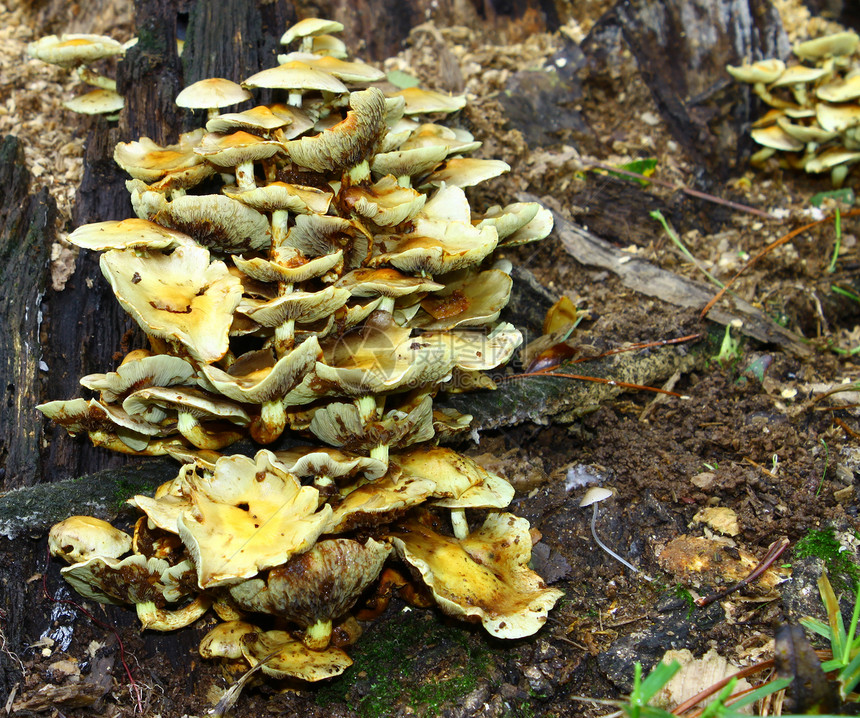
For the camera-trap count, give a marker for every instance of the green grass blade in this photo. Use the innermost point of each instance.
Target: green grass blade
(849, 677)
(834, 615)
(761, 692)
(816, 626)
(657, 678)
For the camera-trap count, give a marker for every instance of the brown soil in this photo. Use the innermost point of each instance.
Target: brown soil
(758, 444)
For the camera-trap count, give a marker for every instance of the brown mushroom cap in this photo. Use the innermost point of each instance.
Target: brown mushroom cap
(225, 640)
(343, 426)
(310, 27)
(367, 282)
(282, 195)
(387, 203)
(765, 71)
(841, 43)
(378, 502)
(256, 377)
(257, 119)
(319, 585)
(102, 420)
(353, 71)
(473, 300)
(423, 102)
(185, 400)
(467, 171)
(148, 161)
(328, 462)
(156, 370)
(135, 579)
(295, 76)
(347, 143)
(229, 150)
(216, 221)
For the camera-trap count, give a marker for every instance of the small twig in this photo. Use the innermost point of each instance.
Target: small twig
(774, 551)
(637, 346)
(676, 240)
(596, 379)
(679, 187)
(765, 471)
(837, 245)
(548, 371)
(782, 240)
(847, 429)
(134, 688)
(710, 690)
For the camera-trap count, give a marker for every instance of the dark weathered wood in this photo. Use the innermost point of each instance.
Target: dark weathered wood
(681, 48)
(235, 49)
(26, 231)
(84, 326)
(150, 76)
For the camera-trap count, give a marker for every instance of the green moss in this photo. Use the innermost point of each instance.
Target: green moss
(823, 544)
(126, 488)
(412, 660)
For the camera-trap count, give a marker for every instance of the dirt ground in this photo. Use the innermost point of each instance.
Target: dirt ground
(754, 434)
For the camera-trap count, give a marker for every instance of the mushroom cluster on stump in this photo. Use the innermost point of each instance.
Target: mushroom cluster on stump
(814, 120)
(77, 51)
(327, 291)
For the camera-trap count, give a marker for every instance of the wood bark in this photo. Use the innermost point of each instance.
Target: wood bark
(26, 232)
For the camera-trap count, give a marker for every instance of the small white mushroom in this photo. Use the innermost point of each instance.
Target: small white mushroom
(594, 496)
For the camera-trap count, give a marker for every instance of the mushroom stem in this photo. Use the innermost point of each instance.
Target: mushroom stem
(360, 173)
(106, 440)
(367, 408)
(610, 551)
(459, 523)
(285, 337)
(295, 99)
(280, 218)
(273, 419)
(285, 333)
(95, 79)
(386, 305)
(245, 176)
(159, 619)
(192, 430)
(318, 636)
(380, 453)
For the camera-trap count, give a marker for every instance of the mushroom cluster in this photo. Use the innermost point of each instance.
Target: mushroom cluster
(309, 274)
(814, 120)
(77, 51)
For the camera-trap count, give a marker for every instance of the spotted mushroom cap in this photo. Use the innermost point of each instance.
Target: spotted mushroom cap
(248, 516)
(283, 656)
(320, 584)
(79, 538)
(181, 297)
(482, 577)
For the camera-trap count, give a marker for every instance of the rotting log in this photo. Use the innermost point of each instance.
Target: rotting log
(26, 232)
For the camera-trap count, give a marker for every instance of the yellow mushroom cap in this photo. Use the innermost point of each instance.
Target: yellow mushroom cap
(212, 92)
